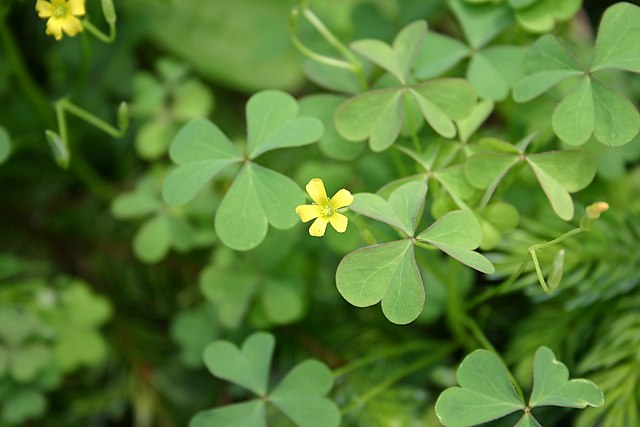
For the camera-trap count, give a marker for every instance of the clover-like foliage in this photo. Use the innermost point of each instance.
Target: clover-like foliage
(258, 196)
(300, 395)
(388, 272)
(486, 391)
(592, 108)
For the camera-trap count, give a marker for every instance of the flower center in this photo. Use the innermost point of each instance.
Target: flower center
(60, 11)
(327, 211)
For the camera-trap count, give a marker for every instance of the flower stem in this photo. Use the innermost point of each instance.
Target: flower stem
(65, 105)
(97, 33)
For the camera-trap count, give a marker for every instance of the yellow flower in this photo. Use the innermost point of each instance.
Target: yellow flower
(324, 210)
(62, 16)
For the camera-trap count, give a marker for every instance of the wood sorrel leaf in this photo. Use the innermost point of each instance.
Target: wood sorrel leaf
(386, 272)
(616, 118)
(617, 42)
(300, 396)
(200, 150)
(273, 122)
(247, 414)
(527, 420)
(574, 118)
(257, 197)
(400, 211)
(457, 233)
(455, 97)
(551, 384)
(481, 23)
(485, 393)
(153, 239)
(438, 54)
(247, 366)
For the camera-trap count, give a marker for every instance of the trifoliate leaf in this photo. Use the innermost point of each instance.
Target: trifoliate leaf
(386, 272)
(481, 23)
(247, 366)
(458, 233)
(200, 150)
(485, 393)
(551, 385)
(273, 122)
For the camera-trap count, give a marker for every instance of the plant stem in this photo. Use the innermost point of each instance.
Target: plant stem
(66, 105)
(95, 31)
(385, 353)
(31, 89)
(384, 385)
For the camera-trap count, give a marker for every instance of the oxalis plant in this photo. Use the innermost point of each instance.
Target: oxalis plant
(470, 166)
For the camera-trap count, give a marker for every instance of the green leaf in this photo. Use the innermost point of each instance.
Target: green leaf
(616, 118)
(153, 139)
(380, 54)
(457, 233)
(454, 182)
(401, 211)
(282, 300)
(573, 169)
(77, 347)
(439, 53)
(5, 145)
(551, 384)
(548, 63)
(272, 123)
(248, 414)
(193, 329)
(29, 361)
(541, 16)
(386, 272)
(332, 78)
(468, 126)
(436, 118)
(527, 420)
(408, 43)
(257, 197)
(616, 45)
(485, 393)
(481, 23)
(136, 204)
(230, 291)
(22, 405)
(558, 196)
(248, 366)
(574, 118)
(486, 170)
(200, 150)
(153, 240)
(300, 396)
(388, 125)
(192, 99)
(455, 97)
(495, 70)
(332, 144)
(356, 118)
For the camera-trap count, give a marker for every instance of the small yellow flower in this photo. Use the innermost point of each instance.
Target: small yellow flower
(324, 210)
(62, 16)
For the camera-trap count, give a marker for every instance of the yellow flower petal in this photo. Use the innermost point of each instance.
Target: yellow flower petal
(308, 212)
(339, 222)
(71, 25)
(54, 28)
(341, 199)
(316, 190)
(44, 9)
(76, 7)
(318, 227)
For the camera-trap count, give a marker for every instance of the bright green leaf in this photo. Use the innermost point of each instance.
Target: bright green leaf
(455, 97)
(386, 272)
(153, 139)
(617, 43)
(230, 291)
(380, 54)
(573, 169)
(438, 54)
(272, 123)
(153, 240)
(387, 126)
(247, 366)
(408, 43)
(551, 384)
(200, 150)
(282, 300)
(558, 196)
(485, 170)
(436, 118)
(467, 127)
(487, 78)
(300, 396)
(527, 420)
(192, 99)
(481, 23)
(247, 414)
(574, 118)
(616, 118)
(485, 393)
(355, 118)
